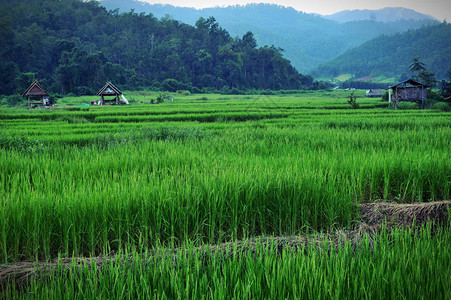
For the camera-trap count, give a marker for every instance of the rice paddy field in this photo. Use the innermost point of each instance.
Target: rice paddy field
(133, 181)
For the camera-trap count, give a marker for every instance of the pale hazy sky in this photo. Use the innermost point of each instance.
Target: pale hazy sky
(440, 9)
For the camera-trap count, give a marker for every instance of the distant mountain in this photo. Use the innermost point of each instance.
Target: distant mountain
(388, 14)
(307, 39)
(390, 55)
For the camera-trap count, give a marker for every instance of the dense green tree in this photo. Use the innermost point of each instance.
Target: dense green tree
(74, 46)
(420, 73)
(427, 78)
(8, 74)
(23, 80)
(249, 41)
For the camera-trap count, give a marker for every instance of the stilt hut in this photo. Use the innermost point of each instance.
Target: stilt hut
(35, 94)
(109, 90)
(408, 90)
(374, 93)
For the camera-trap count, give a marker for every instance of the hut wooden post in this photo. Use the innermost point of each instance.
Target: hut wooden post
(396, 99)
(422, 97)
(389, 97)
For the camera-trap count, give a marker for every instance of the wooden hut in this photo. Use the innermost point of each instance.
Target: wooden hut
(374, 93)
(35, 94)
(109, 90)
(409, 90)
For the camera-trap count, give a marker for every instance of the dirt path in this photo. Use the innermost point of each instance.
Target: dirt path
(372, 216)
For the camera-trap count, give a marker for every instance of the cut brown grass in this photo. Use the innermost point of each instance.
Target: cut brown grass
(375, 214)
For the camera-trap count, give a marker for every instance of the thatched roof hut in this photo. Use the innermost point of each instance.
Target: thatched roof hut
(409, 90)
(374, 93)
(110, 90)
(34, 92)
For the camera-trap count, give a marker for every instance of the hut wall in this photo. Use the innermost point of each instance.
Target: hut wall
(410, 94)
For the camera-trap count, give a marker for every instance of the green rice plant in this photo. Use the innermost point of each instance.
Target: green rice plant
(399, 265)
(166, 187)
(162, 175)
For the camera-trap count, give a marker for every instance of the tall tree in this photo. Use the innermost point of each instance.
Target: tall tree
(416, 66)
(420, 73)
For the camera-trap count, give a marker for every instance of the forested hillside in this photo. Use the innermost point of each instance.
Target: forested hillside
(308, 39)
(74, 46)
(391, 55)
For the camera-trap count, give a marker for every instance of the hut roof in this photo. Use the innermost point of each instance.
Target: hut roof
(109, 89)
(374, 92)
(35, 89)
(408, 83)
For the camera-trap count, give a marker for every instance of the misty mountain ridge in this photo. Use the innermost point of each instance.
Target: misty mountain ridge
(391, 55)
(387, 14)
(308, 40)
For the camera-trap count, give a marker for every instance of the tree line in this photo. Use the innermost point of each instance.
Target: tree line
(308, 39)
(75, 46)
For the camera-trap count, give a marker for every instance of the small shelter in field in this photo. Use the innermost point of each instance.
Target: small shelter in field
(409, 90)
(112, 93)
(374, 93)
(35, 94)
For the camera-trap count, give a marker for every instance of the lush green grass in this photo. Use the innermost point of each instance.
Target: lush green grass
(399, 266)
(80, 181)
(145, 97)
(91, 180)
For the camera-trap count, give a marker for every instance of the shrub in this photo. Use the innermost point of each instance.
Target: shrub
(236, 91)
(209, 90)
(225, 90)
(160, 98)
(196, 90)
(443, 106)
(184, 92)
(353, 100)
(173, 85)
(14, 100)
(156, 86)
